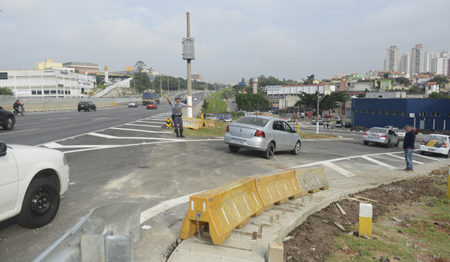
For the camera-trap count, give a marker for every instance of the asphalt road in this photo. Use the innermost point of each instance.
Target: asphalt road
(123, 155)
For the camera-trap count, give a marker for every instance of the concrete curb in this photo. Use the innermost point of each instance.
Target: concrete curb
(240, 246)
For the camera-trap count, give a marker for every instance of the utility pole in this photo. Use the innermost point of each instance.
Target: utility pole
(160, 84)
(178, 85)
(188, 55)
(168, 86)
(317, 113)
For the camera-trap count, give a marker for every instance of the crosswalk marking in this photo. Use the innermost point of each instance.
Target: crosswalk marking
(132, 124)
(377, 162)
(140, 130)
(427, 157)
(399, 157)
(338, 169)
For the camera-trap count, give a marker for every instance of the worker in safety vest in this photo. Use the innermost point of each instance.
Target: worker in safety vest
(177, 107)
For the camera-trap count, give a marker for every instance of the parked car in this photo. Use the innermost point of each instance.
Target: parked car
(152, 105)
(32, 181)
(437, 144)
(132, 104)
(262, 133)
(348, 125)
(86, 106)
(7, 119)
(381, 135)
(400, 133)
(339, 123)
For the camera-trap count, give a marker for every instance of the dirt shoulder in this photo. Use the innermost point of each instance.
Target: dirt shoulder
(411, 223)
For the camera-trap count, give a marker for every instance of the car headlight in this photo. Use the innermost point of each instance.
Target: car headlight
(65, 160)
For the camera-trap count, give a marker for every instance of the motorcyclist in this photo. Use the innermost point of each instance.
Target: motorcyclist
(17, 106)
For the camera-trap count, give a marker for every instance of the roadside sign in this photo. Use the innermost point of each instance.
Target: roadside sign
(412, 115)
(168, 122)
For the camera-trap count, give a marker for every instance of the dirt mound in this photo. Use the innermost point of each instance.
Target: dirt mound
(314, 239)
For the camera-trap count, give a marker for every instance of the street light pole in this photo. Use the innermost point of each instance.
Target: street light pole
(189, 84)
(317, 113)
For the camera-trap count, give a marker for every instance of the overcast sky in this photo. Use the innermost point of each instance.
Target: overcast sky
(234, 38)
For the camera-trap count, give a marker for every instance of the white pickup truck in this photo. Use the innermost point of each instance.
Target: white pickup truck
(31, 182)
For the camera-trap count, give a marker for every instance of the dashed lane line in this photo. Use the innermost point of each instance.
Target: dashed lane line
(16, 132)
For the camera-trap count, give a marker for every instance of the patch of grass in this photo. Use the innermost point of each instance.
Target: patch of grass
(217, 130)
(215, 106)
(307, 135)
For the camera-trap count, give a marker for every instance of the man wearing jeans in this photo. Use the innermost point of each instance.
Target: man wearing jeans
(408, 147)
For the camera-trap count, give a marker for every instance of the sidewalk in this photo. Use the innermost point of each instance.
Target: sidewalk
(279, 221)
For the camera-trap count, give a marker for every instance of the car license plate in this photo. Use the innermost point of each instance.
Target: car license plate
(431, 149)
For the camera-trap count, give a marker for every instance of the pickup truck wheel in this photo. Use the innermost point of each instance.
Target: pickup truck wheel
(9, 123)
(366, 143)
(233, 149)
(270, 151)
(40, 204)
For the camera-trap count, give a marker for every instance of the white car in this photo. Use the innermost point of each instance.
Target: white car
(32, 179)
(132, 104)
(435, 143)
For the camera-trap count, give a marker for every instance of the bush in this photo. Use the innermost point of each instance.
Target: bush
(6, 91)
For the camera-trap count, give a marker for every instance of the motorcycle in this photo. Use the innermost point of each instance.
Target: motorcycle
(19, 110)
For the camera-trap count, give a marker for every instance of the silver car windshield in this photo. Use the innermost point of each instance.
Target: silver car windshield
(253, 121)
(377, 130)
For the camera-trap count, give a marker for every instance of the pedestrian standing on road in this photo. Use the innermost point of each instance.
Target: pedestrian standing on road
(408, 147)
(177, 107)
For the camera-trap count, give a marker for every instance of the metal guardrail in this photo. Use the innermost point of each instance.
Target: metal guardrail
(107, 233)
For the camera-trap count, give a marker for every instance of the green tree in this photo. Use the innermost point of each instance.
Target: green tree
(139, 66)
(386, 75)
(4, 91)
(140, 82)
(328, 102)
(403, 81)
(440, 80)
(309, 80)
(414, 89)
(436, 95)
(252, 102)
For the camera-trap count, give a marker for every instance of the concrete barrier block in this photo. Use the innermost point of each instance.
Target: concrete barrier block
(275, 252)
(92, 248)
(118, 248)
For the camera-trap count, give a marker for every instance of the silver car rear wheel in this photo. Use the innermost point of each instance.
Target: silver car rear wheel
(270, 151)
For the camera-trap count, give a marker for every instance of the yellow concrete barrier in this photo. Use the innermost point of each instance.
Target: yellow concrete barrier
(312, 179)
(208, 123)
(192, 123)
(278, 188)
(223, 209)
(113, 104)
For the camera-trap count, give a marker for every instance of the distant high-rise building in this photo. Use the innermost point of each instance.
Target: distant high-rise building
(391, 62)
(417, 59)
(429, 55)
(405, 63)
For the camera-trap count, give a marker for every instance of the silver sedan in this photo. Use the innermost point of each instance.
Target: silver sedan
(381, 135)
(262, 133)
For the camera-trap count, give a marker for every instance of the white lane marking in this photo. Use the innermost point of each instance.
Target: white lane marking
(377, 162)
(132, 137)
(140, 130)
(427, 157)
(399, 157)
(131, 124)
(52, 145)
(150, 122)
(163, 206)
(75, 136)
(338, 169)
(146, 143)
(16, 132)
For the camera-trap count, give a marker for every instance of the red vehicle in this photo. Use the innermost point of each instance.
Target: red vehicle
(152, 105)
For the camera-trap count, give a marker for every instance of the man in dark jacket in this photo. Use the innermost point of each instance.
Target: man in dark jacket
(408, 147)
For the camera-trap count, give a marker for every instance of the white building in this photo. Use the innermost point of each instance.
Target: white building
(392, 60)
(417, 59)
(431, 87)
(46, 83)
(405, 63)
(429, 56)
(288, 95)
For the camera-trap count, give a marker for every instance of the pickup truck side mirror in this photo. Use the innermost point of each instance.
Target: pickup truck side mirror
(3, 148)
